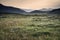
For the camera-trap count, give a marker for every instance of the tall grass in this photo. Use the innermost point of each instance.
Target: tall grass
(33, 27)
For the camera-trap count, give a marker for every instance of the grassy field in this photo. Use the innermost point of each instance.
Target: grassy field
(29, 27)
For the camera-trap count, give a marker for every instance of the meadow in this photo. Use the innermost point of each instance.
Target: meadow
(29, 27)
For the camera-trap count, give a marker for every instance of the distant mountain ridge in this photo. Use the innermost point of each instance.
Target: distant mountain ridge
(55, 11)
(10, 9)
(39, 11)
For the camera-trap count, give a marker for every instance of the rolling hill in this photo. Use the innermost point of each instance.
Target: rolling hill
(9, 9)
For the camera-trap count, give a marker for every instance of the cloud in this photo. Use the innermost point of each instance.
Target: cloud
(32, 4)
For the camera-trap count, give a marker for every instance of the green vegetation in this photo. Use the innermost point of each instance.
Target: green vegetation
(29, 27)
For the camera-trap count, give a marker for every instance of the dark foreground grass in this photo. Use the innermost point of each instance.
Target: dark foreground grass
(21, 27)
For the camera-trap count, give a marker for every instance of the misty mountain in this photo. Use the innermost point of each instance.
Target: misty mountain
(39, 11)
(9, 9)
(46, 9)
(28, 10)
(51, 11)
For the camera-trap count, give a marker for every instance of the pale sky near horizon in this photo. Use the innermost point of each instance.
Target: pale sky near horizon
(32, 4)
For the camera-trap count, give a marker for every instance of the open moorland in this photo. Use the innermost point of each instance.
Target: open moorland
(29, 27)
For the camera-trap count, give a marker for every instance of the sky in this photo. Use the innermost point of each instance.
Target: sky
(32, 4)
